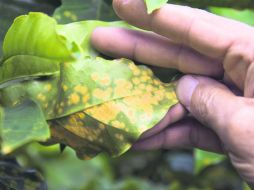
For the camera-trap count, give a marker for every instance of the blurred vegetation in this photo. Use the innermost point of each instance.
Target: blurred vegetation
(161, 170)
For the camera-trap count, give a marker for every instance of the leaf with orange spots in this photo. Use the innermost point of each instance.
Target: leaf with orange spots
(22, 123)
(91, 104)
(78, 10)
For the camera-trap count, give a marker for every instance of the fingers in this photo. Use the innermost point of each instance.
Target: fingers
(182, 24)
(153, 49)
(185, 134)
(174, 114)
(248, 86)
(210, 102)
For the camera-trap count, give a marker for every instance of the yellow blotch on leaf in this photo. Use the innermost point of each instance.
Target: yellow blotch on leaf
(85, 98)
(159, 94)
(105, 80)
(81, 89)
(123, 87)
(150, 99)
(119, 136)
(81, 115)
(142, 86)
(72, 120)
(118, 124)
(67, 13)
(65, 87)
(45, 105)
(171, 95)
(74, 17)
(102, 126)
(149, 88)
(70, 15)
(157, 82)
(105, 112)
(135, 70)
(41, 97)
(95, 76)
(140, 102)
(60, 110)
(74, 98)
(145, 78)
(136, 81)
(48, 87)
(102, 94)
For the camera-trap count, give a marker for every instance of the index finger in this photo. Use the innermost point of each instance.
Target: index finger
(181, 24)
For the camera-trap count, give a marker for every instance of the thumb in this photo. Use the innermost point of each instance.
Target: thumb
(209, 101)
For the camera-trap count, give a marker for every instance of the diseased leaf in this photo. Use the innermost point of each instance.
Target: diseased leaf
(152, 5)
(91, 104)
(21, 124)
(78, 10)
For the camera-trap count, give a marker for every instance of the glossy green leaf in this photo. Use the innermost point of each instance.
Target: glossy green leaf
(204, 159)
(35, 34)
(21, 124)
(91, 104)
(152, 5)
(12, 8)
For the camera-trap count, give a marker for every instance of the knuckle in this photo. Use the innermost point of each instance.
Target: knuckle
(241, 51)
(189, 29)
(206, 98)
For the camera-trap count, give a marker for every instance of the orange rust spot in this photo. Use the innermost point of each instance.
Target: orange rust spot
(74, 98)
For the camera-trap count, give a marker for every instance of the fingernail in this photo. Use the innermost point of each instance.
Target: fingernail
(185, 89)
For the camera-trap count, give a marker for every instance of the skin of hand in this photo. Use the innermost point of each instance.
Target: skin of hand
(205, 47)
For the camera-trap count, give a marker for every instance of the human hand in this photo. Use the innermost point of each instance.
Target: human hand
(194, 42)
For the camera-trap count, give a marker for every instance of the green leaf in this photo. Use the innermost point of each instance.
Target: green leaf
(152, 5)
(240, 15)
(11, 9)
(204, 159)
(25, 66)
(246, 187)
(21, 124)
(79, 33)
(77, 10)
(35, 34)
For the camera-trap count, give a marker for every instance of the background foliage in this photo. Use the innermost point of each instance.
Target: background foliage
(162, 170)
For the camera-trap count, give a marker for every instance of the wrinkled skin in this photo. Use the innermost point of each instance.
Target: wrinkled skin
(208, 49)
